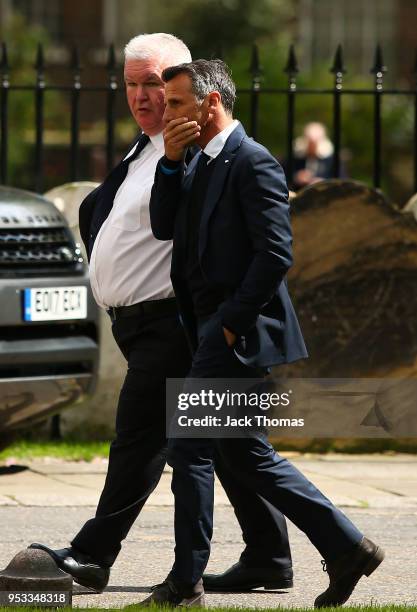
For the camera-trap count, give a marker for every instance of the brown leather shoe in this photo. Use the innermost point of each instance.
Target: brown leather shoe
(345, 573)
(169, 594)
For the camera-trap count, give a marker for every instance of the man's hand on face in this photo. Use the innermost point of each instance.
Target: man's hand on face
(178, 134)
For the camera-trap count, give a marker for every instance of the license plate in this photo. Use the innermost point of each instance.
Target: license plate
(54, 303)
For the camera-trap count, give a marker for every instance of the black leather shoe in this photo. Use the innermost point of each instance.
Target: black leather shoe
(169, 594)
(81, 567)
(345, 573)
(239, 577)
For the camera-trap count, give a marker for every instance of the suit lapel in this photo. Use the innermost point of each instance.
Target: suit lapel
(223, 163)
(218, 179)
(101, 205)
(118, 174)
(187, 183)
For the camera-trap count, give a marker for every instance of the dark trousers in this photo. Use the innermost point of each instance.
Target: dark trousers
(155, 349)
(254, 463)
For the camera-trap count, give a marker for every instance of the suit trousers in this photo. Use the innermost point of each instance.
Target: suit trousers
(155, 349)
(254, 463)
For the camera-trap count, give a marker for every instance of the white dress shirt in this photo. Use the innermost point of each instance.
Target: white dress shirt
(128, 264)
(216, 144)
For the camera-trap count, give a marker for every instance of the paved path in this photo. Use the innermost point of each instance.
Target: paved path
(48, 501)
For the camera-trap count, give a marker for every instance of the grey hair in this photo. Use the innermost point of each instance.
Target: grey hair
(166, 47)
(207, 76)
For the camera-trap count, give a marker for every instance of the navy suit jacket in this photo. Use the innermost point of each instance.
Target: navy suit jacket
(244, 247)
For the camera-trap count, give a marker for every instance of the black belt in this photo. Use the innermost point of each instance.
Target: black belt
(167, 306)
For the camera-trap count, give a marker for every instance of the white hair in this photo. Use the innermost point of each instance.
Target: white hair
(166, 47)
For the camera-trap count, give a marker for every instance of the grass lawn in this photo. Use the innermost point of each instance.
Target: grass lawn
(66, 449)
(132, 608)
(375, 608)
(73, 449)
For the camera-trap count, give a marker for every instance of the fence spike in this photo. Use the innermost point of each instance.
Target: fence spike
(75, 60)
(291, 67)
(40, 60)
(378, 61)
(338, 62)
(111, 59)
(255, 67)
(4, 62)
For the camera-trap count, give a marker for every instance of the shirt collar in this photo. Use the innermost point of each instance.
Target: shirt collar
(216, 144)
(157, 141)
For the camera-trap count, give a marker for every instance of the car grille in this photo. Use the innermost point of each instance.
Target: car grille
(38, 251)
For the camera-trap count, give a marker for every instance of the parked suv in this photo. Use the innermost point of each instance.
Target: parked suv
(48, 318)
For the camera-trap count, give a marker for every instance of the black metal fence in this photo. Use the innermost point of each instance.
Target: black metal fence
(112, 89)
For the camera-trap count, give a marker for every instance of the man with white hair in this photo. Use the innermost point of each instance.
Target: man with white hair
(130, 279)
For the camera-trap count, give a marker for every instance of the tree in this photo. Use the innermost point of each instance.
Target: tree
(209, 26)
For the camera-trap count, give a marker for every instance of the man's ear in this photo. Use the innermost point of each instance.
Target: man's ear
(214, 101)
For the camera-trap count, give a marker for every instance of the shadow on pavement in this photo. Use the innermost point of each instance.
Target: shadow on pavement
(12, 469)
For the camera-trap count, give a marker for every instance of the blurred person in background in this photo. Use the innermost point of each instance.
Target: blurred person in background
(313, 156)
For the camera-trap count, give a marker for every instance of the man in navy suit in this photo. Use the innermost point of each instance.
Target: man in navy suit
(228, 216)
(130, 278)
